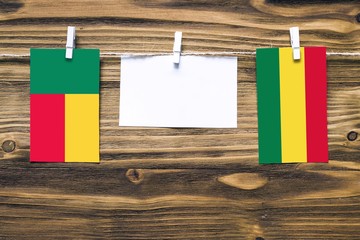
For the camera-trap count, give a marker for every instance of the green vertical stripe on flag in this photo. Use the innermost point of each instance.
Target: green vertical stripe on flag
(52, 73)
(268, 95)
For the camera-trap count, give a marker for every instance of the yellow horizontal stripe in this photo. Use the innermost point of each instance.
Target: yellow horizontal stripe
(293, 108)
(82, 128)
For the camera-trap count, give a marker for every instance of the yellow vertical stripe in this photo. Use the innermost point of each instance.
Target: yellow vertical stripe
(293, 108)
(82, 128)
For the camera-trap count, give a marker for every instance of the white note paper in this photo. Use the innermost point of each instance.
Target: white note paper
(200, 92)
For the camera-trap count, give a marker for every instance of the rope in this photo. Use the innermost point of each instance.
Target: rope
(127, 54)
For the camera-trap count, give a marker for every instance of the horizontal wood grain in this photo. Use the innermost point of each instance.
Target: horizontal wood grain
(149, 25)
(167, 183)
(182, 203)
(184, 146)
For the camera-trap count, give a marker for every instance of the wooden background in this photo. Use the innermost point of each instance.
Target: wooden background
(180, 183)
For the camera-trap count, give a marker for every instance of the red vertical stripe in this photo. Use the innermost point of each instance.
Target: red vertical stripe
(47, 128)
(316, 116)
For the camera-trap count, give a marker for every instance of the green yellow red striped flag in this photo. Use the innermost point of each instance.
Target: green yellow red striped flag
(292, 116)
(64, 105)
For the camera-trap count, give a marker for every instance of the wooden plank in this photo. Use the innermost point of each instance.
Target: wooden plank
(149, 25)
(90, 201)
(179, 183)
(189, 147)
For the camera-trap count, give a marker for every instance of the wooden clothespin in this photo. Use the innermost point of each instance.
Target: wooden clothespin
(295, 42)
(177, 47)
(70, 42)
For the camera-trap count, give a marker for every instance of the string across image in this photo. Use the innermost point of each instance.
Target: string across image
(240, 53)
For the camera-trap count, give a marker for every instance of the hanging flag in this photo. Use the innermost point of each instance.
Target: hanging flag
(199, 92)
(292, 117)
(64, 105)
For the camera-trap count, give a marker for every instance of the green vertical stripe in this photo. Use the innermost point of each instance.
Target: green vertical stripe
(52, 73)
(268, 93)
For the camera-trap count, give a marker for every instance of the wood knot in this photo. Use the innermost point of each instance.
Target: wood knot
(358, 18)
(259, 238)
(8, 146)
(135, 176)
(352, 136)
(245, 181)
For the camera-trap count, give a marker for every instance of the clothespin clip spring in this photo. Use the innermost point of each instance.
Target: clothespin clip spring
(70, 42)
(295, 42)
(177, 47)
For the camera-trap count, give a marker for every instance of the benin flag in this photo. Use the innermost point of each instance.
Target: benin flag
(64, 105)
(292, 115)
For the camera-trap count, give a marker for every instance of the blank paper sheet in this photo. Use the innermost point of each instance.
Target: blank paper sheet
(200, 92)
